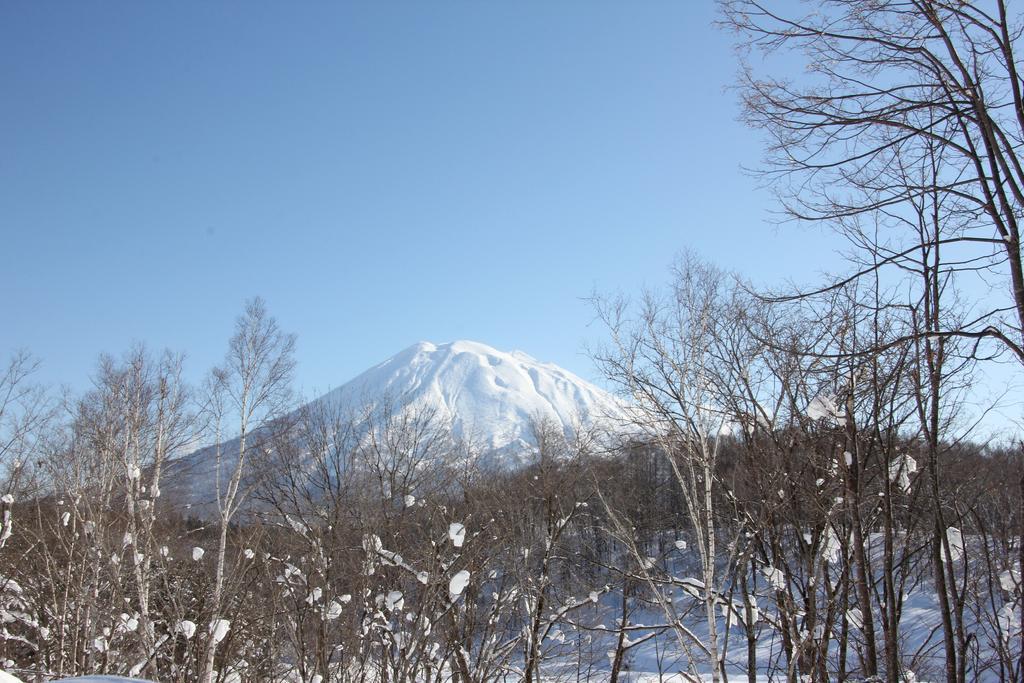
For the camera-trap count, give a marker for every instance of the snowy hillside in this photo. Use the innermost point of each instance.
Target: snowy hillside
(489, 398)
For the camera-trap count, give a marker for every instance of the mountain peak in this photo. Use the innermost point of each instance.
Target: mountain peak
(461, 346)
(492, 397)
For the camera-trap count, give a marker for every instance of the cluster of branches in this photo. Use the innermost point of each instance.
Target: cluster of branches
(904, 133)
(819, 446)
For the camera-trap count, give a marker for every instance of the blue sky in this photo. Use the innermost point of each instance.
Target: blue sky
(381, 173)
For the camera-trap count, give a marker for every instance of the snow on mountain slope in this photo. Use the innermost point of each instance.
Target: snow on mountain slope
(489, 398)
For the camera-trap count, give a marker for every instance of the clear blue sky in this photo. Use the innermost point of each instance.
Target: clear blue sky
(381, 173)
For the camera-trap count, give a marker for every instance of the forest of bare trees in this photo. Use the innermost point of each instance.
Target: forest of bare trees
(785, 492)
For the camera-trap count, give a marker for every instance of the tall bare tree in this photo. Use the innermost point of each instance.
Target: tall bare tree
(248, 393)
(24, 412)
(664, 357)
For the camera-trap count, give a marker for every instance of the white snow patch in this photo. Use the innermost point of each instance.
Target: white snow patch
(219, 629)
(186, 628)
(457, 534)
(458, 584)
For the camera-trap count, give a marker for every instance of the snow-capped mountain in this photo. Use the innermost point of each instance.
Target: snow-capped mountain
(489, 398)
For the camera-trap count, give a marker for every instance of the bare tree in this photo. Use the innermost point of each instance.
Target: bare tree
(24, 413)
(251, 389)
(666, 360)
(93, 526)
